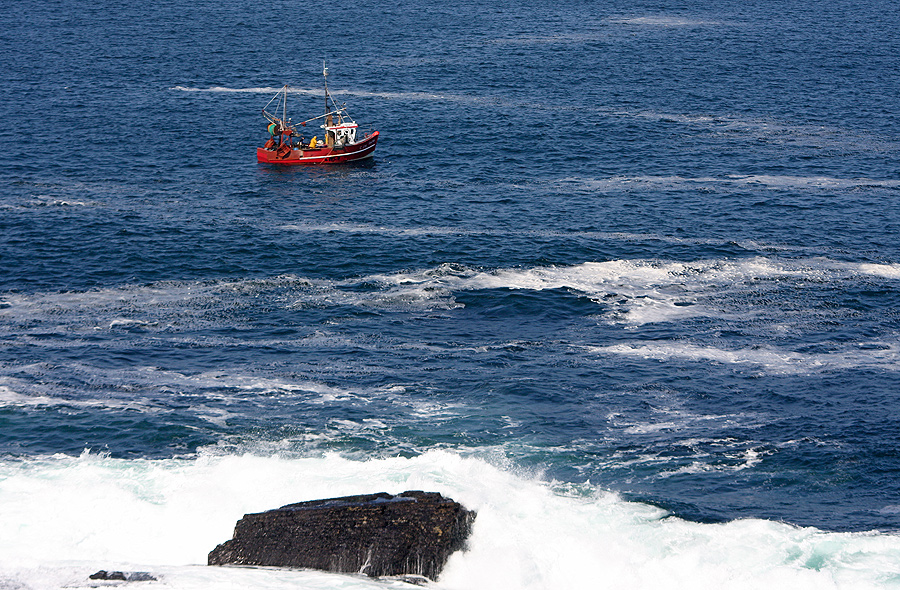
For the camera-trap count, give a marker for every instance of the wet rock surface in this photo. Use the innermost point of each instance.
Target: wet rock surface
(413, 533)
(123, 576)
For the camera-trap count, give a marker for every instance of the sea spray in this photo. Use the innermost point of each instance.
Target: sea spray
(73, 514)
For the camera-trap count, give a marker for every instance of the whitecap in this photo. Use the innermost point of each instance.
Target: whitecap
(888, 271)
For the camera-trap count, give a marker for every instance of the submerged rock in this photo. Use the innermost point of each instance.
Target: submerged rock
(123, 576)
(412, 533)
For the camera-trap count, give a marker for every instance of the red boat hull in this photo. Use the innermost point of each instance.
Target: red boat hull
(325, 155)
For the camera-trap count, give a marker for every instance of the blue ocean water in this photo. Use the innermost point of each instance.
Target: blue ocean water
(621, 276)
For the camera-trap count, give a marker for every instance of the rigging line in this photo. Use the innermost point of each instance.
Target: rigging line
(325, 115)
(273, 98)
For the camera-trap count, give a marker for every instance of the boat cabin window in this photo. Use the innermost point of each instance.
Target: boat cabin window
(344, 136)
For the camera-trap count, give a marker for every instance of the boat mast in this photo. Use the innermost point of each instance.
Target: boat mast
(325, 75)
(284, 107)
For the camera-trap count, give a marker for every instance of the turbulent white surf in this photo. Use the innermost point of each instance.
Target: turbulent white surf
(73, 516)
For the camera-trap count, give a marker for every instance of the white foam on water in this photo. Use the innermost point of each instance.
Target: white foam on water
(148, 389)
(557, 38)
(632, 292)
(888, 271)
(63, 518)
(11, 395)
(809, 183)
(636, 291)
(775, 131)
(662, 21)
(679, 420)
(419, 96)
(613, 183)
(775, 361)
(251, 90)
(641, 291)
(812, 182)
(722, 454)
(368, 228)
(50, 201)
(75, 575)
(162, 306)
(748, 459)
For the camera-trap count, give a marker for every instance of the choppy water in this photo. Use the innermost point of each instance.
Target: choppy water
(621, 277)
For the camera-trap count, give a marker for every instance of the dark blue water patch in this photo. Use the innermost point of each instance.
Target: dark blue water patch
(527, 306)
(71, 430)
(679, 437)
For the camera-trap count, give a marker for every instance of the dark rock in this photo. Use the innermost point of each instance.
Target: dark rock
(123, 576)
(412, 533)
(105, 575)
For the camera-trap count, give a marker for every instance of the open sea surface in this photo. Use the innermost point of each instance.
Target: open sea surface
(623, 277)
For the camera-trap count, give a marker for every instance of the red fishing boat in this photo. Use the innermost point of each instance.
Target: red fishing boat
(339, 142)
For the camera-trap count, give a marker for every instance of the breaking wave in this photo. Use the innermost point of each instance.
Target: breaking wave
(81, 514)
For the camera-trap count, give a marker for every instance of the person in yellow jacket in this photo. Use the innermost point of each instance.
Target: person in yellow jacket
(312, 142)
